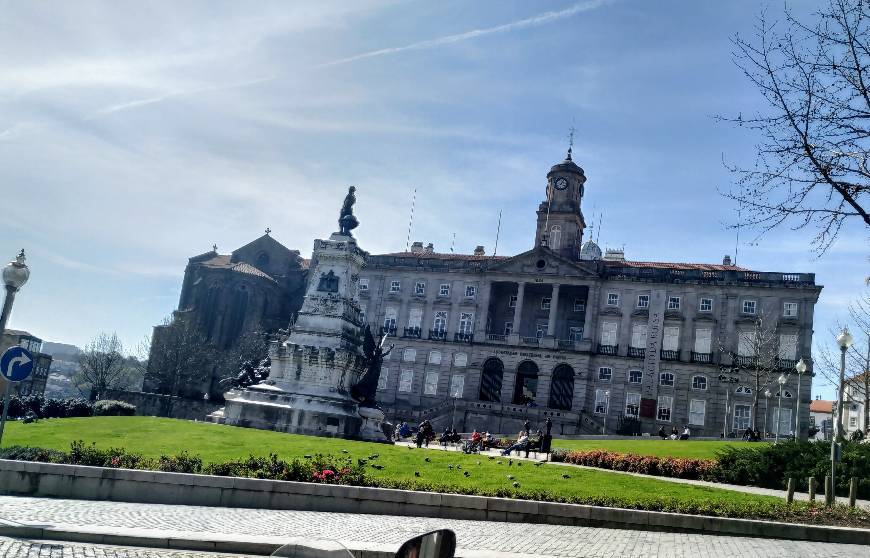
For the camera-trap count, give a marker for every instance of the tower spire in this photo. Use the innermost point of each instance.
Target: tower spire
(571, 131)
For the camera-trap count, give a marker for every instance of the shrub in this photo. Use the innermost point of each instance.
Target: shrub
(675, 467)
(110, 407)
(181, 463)
(41, 408)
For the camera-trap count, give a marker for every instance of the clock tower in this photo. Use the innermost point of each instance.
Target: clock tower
(560, 220)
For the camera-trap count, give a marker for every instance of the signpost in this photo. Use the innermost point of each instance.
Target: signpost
(16, 365)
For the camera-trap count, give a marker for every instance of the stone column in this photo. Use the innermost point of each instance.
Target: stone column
(554, 306)
(482, 311)
(591, 313)
(514, 338)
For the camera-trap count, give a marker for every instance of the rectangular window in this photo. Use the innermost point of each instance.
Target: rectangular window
(457, 385)
(608, 333)
(666, 379)
(697, 410)
(409, 355)
(749, 306)
(612, 299)
(434, 357)
(382, 379)
(470, 291)
(466, 322)
(643, 301)
(364, 285)
(439, 324)
(789, 310)
(785, 422)
(444, 289)
(632, 404)
(742, 415)
(664, 408)
(406, 380)
(671, 340)
(638, 336)
(545, 303)
(853, 422)
(605, 373)
(635, 376)
(601, 401)
(788, 346)
(699, 382)
(512, 301)
(419, 288)
(674, 303)
(390, 315)
(415, 317)
(579, 305)
(395, 286)
(430, 386)
(746, 343)
(508, 328)
(703, 340)
(575, 333)
(362, 312)
(706, 305)
(460, 360)
(541, 330)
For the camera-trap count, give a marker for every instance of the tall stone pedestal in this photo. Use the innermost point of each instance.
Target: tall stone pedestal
(308, 391)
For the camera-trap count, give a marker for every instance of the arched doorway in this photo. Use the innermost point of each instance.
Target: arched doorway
(526, 387)
(562, 388)
(490, 380)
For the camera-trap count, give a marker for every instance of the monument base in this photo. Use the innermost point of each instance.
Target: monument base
(269, 408)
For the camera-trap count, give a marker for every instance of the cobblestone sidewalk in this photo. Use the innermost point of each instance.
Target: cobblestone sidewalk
(15, 548)
(351, 529)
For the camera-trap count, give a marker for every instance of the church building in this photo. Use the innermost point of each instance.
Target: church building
(592, 341)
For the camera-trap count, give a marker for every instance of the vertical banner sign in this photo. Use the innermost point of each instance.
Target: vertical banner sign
(653, 342)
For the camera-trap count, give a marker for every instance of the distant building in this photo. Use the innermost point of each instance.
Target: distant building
(821, 416)
(35, 383)
(853, 405)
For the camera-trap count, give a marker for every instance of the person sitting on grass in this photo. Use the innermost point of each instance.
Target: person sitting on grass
(446, 437)
(685, 435)
(662, 433)
(520, 444)
(756, 435)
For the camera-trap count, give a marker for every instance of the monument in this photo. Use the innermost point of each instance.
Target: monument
(323, 376)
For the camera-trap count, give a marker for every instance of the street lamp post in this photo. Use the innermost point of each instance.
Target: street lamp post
(844, 340)
(767, 395)
(606, 410)
(800, 368)
(781, 381)
(15, 275)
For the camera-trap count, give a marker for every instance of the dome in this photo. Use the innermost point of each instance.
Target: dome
(568, 165)
(590, 251)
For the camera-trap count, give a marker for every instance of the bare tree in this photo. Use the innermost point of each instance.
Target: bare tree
(101, 366)
(181, 360)
(812, 161)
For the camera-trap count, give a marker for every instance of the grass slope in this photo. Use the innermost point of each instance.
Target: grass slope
(152, 437)
(697, 449)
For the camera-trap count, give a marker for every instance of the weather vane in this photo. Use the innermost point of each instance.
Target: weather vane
(268, 230)
(570, 140)
(214, 247)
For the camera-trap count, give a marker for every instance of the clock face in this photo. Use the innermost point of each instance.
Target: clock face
(561, 184)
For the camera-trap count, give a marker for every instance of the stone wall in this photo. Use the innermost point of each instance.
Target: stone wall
(156, 405)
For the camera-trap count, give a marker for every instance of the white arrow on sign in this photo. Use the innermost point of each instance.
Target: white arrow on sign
(19, 360)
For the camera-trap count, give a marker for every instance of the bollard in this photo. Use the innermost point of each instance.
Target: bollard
(790, 496)
(812, 489)
(853, 491)
(829, 492)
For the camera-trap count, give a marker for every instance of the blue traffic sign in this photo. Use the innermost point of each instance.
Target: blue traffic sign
(16, 364)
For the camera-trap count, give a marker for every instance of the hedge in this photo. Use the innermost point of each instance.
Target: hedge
(36, 406)
(110, 407)
(343, 470)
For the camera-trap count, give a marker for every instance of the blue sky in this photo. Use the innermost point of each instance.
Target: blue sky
(134, 135)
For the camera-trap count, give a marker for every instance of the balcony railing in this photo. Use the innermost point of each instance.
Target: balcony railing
(670, 355)
(529, 340)
(388, 331)
(566, 343)
(607, 349)
(785, 364)
(414, 332)
(463, 337)
(745, 360)
(438, 334)
(636, 352)
(703, 358)
(496, 337)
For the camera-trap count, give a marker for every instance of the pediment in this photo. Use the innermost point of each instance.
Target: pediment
(545, 262)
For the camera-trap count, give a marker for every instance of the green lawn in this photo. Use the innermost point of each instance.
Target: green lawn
(699, 449)
(152, 436)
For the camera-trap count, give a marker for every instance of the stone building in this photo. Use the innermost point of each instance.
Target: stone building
(592, 341)
(35, 383)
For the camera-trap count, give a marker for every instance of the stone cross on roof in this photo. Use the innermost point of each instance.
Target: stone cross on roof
(268, 230)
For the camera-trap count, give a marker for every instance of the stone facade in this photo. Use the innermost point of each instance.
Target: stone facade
(35, 383)
(593, 343)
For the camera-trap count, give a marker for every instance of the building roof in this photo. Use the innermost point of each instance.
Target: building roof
(672, 265)
(18, 333)
(821, 406)
(442, 256)
(248, 269)
(222, 261)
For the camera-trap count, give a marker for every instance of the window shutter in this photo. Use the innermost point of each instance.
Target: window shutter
(672, 338)
(703, 338)
(638, 336)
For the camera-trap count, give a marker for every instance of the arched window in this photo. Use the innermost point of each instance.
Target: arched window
(526, 387)
(743, 390)
(786, 394)
(562, 388)
(555, 237)
(490, 380)
(263, 260)
(666, 379)
(699, 382)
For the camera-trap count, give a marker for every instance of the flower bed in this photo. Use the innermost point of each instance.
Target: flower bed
(675, 467)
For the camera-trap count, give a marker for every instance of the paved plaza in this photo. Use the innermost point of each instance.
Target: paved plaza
(475, 538)
(15, 548)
